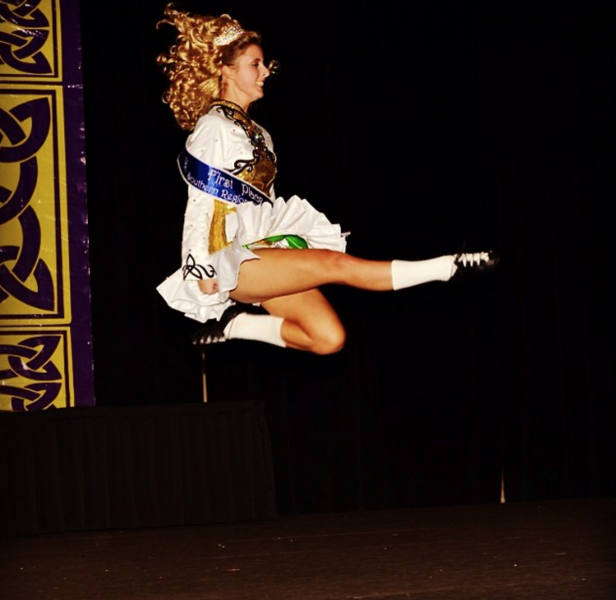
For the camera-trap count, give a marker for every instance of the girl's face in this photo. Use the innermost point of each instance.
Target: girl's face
(243, 82)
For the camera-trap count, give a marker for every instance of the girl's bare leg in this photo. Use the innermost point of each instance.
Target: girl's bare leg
(286, 284)
(280, 272)
(309, 322)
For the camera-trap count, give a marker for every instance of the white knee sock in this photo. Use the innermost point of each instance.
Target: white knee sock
(259, 328)
(407, 273)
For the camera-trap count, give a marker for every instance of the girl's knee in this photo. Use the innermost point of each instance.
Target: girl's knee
(329, 341)
(336, 261)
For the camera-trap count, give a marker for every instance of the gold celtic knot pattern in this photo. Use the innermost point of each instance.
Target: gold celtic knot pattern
(28, 376)
(24, 32)
(24, 275)
(45, 355)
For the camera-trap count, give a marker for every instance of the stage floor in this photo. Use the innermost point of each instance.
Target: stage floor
(557, 550)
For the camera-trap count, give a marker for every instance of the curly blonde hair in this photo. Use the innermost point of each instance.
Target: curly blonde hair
(194, 62)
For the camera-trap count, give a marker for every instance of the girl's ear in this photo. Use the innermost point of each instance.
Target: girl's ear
(227, 72)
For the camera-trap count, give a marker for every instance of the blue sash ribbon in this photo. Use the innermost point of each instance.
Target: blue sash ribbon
(218, 183)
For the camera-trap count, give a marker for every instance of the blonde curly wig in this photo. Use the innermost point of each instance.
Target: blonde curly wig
(194, 62)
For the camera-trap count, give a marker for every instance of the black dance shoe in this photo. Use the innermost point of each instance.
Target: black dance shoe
(213, 331)
(469, 264)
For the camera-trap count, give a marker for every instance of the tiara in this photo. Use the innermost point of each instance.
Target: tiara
(229, 34)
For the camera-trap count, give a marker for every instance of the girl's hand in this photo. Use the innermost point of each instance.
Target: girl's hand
(208, 286)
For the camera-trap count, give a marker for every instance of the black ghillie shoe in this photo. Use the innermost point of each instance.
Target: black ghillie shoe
(468, 264)
(213, 331)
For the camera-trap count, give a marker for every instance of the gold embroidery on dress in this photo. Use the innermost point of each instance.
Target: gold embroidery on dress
(218, 228)
(260, 170)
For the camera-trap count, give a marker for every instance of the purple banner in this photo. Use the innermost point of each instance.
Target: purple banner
(45, 324)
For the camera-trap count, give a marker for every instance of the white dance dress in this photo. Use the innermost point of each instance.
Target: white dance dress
(220, 229)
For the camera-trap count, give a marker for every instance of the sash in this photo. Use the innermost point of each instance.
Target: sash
(218, 183)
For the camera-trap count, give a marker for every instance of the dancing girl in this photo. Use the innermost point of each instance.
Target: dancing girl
(252, 262)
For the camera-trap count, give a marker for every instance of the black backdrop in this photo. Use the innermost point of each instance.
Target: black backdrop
(420, 128)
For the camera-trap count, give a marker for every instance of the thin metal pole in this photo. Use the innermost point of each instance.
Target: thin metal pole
(502, 487)
(203, 375)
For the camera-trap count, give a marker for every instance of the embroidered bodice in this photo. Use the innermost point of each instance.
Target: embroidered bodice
(260, 170)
